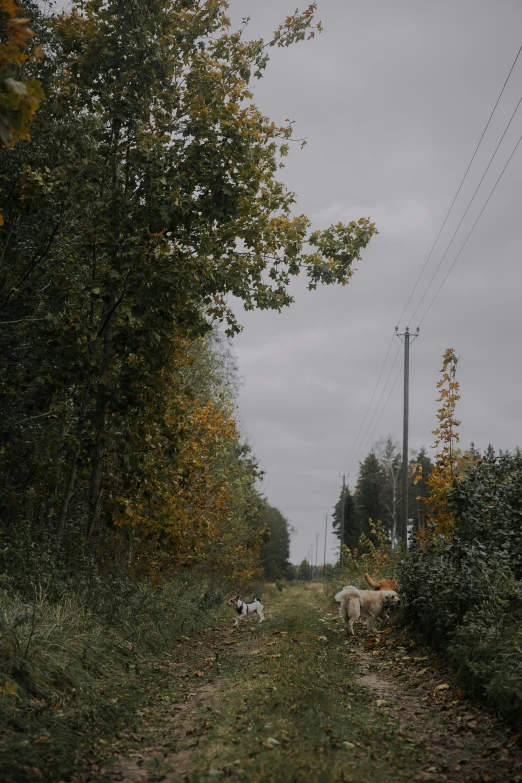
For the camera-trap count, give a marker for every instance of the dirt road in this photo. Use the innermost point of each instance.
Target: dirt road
(292, 700)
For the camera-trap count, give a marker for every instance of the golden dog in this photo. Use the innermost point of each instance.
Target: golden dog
(384, 584)
(365, 604)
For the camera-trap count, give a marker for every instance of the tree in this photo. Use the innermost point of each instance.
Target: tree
(352, 531)
(304, 570)
(419, 492)
(444, 474)
(368, 496)
(275, 553)
(147, 195)
(390, 462)
(19, 99)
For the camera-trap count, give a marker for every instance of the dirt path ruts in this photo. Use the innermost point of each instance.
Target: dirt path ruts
(463, 742)
(225, 703)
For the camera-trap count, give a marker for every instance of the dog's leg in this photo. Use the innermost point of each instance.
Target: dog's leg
(354, 613)
(261, 615)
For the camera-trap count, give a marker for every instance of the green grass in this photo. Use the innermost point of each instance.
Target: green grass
(326, 727)
(74, 674)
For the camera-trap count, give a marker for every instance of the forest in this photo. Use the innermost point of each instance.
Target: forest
(139, 198)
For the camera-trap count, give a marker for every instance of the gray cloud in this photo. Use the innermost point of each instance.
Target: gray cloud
(392, 98)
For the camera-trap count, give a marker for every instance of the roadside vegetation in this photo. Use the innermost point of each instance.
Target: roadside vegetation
(460, 581)
(139, 193)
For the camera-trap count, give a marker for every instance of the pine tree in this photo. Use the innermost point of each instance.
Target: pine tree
(391, 467)
(368, 496)
(351, 530)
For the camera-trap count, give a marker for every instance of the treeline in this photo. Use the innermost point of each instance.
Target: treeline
(377, 495)
(136, 201)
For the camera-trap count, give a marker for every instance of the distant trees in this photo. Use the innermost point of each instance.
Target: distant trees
(378, 494)
(275, 552)
(304, 570)
(351, 525)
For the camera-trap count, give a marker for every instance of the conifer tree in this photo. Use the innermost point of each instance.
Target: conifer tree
(352, 531)
(368, 496)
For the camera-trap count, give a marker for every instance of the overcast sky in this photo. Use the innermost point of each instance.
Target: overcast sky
(393, 98)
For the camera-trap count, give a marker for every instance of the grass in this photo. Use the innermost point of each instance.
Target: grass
(293, 684)
(276, 701)
(71, 672)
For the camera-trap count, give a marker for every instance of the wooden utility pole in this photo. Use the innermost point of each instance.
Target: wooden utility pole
(407, 338)
(342, 521)
(325, 530)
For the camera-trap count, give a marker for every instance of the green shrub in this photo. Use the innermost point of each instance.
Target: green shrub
(465, 598)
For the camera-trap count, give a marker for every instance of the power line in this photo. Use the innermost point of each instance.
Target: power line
(471, 230)
(387, 401)
(365, 439)
(466, 212)
(355, 442)
(459, 188)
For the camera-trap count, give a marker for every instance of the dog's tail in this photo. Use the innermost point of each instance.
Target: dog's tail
(350, 590)
(372, 582)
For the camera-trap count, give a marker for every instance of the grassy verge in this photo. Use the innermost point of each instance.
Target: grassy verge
(72, 675)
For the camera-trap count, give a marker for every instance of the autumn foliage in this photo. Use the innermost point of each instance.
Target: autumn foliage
(144, 203)
(444, 472)
(19, 99)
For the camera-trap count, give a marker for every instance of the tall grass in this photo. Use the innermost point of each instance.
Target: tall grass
(52, 649)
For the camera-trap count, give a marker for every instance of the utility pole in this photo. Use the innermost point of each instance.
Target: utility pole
(324, 561)
(407, 338)
(342, 522)
(316, 551)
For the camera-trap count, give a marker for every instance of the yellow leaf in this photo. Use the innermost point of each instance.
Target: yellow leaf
(10, 688)
(443, 687)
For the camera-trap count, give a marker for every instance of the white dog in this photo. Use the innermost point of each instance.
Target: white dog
(243, 609)
(367, 604)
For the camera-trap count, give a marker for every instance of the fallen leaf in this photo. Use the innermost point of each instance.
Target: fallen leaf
(443, 687)
(381, 703)
(277, 655)
(293, 708)
(271, 741)
(41, 739)
(198, 674)
(184, 638)
(348, 745)
(321, 638)
(10, 688)
(423, 671)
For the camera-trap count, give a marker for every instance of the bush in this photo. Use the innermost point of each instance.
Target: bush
(465, 598)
